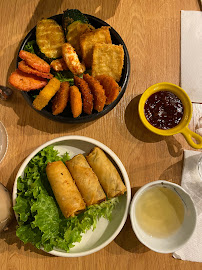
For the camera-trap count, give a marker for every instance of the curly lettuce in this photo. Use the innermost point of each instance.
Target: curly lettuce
(40, 219)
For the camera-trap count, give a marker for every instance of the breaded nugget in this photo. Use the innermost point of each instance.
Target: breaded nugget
(34, 61)
(110, 86)
(26, 82)
(97, 91)
(108, 60)
(50, 37)
(46, 94)
(58, 65)
(72, 59)
(88, 41)
(74, 31)
(61, 98)
(87, 97)
(27, 69)
(75, 101)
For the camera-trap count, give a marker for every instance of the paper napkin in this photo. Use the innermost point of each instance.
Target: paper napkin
(191, 54)
(192, 183)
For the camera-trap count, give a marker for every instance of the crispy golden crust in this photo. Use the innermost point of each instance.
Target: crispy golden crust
(108, 60)
(75, 30)
(110, 86)
(58, 65)
(97, 91)
(46, 94)
(88, 41)
(27, 69)
(87, 97)
(50, 37)
(64, 188)
(26, 82)
(106, 172)
(71, 59)
(61, 98)
(34, 61)
(75, 101)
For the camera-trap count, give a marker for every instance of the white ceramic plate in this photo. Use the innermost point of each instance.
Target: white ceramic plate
(105, 231)
(3, 141)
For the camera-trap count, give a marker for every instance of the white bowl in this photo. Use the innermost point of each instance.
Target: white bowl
(176, 240)
(105, 231)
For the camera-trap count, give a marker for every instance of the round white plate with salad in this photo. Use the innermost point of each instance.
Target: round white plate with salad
(40, 220)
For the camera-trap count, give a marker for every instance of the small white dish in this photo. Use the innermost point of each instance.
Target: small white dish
(3, 141)
(176, 240)
(105, 231)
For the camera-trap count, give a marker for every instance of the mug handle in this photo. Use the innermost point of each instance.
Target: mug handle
(189, 134)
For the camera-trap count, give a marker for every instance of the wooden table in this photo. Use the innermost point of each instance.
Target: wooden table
(151, 31)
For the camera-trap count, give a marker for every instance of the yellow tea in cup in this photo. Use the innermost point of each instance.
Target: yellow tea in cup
(159, 211)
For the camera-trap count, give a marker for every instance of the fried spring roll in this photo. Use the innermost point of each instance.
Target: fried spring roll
(107, 174)
(66, 193)
(86, 180)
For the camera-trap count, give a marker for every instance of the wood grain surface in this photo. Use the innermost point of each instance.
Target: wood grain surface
(151, 31)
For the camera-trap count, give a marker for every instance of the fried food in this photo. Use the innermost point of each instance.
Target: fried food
(72, 60)
(58, 65)
(26, 82)
(87, 96)
(74, 31)
(64, 188)
(108, 60)
(61, 98)
(97, 91)
(75, 101)
(88, 41)
(50, 37)
(34, 61)
(27, 69)
(110, 86)
(46, 94)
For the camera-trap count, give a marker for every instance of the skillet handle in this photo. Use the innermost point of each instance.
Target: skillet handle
(188, 134)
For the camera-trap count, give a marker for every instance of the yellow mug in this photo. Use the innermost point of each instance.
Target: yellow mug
(182, 127)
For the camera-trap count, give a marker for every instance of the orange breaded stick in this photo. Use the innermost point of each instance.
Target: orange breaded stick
(61, 98)
(46, 94)
(87, 97)
(27, 69)
(26, 82)
(34, 61)
(75, 101)
(97, 91)
(110, 86)
(58, 65)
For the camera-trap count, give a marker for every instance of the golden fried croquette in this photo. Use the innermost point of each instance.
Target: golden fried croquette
(50, 37)
(74, 31)
(75, 101)
(26, 82)
(27, 69)
(58, 65)
(71, 59)
(97, 91)
(108, 60)
(87, 97)
(88, 41)
(46, 94)
(34, 61)
(110, 86)
(61, 98)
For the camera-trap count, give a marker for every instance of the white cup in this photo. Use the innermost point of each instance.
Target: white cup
(176, 240)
